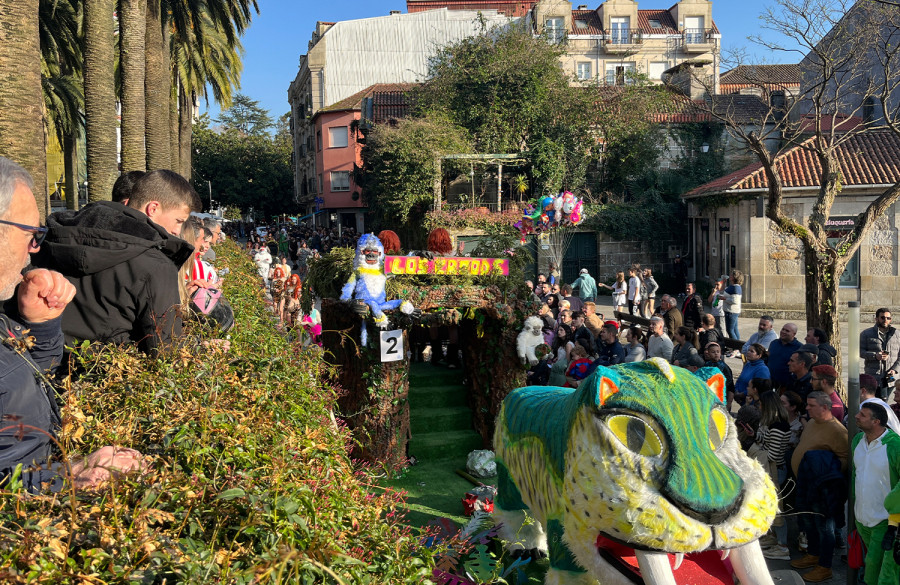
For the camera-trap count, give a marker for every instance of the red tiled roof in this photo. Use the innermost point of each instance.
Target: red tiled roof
(785, 74)
(508, 7)
(595, 27)
(743, 109)
(840, 122)
(677, 108)
(389, 100)
(870, 158)
(590, 18)
(665, 20)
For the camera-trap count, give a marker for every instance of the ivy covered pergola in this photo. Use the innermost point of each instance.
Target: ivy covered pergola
(513, 160)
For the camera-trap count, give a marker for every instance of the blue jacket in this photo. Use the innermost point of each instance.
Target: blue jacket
(754, 369)
(30, 399)
(821, 486)
(779, 354)
(610, 355)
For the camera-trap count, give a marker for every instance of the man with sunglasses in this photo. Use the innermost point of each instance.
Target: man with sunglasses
(879, 346)
(124, 262)
(33, 303)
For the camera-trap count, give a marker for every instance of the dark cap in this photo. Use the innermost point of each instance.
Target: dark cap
(869, 382)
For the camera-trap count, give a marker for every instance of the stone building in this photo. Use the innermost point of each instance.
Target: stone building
(607, 43)
(728, 228)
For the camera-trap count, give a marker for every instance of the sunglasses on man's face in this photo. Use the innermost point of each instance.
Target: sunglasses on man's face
(38, 232)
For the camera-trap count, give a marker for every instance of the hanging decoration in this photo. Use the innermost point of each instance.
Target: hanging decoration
(555, 218)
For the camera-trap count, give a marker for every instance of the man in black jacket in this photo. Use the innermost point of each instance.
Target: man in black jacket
(692, 308)
(124, 263)
(36, 300)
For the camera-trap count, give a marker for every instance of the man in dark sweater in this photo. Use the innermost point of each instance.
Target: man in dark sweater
(692, 308)
(780, 352)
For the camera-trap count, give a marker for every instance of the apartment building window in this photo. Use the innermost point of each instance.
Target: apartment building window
(321, 188)
(694, 33)
(555, 29)
(337, 137)
(583, 70)
(619, 31)
(318, 140)
(312, 185)
(657, 68)
(619, 73)
(340, 180)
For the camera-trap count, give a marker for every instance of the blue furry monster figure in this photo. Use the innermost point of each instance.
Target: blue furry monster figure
(636, 476)
(367, 282)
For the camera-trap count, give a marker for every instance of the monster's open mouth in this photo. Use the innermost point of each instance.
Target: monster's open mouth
(707, 567)
(371, 256)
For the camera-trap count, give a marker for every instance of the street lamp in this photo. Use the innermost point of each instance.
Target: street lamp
(704, 148)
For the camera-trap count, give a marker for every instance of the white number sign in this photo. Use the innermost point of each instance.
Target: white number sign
(392, 345)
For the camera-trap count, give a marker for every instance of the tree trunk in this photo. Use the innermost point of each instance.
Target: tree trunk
(70, 159)
(100, 98)
(185, 125)
(822, 275)
(132, 41)
(173, 126)
(21, 95)
(156, 90)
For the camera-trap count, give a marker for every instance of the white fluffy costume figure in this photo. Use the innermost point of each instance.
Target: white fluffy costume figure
(367, 282)
(529, 338)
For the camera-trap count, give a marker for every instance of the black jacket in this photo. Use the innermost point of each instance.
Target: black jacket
(27, 399)
(125, 271)
(692, 311)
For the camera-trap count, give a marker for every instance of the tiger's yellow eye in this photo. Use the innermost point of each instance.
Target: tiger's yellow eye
(718, 428)
(635, 434)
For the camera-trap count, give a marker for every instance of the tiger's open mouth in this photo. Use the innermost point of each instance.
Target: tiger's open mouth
(710, 567)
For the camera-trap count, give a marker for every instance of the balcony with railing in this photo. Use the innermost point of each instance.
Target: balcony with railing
(623, 40)
(697, 40)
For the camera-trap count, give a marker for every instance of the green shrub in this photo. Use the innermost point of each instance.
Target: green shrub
(250, 479)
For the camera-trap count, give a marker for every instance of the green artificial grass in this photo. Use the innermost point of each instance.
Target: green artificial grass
(442, 437)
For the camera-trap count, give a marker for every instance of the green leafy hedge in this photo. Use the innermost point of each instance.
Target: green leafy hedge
(250, 480)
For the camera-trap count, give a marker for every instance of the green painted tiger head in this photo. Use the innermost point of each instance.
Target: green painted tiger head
(653, 462)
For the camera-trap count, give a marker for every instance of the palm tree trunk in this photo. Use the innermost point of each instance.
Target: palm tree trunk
(100, 98)
(173, 126)
(21, 96)
(132, 41)
(70, 160)
(185, 126)
(156, 90)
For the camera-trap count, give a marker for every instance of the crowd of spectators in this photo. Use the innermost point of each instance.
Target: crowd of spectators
(788, 411)
(125, 271)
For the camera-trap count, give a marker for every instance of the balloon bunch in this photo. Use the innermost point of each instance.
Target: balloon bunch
(550, 212)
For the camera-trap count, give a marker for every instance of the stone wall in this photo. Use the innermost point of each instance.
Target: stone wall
(613, 255)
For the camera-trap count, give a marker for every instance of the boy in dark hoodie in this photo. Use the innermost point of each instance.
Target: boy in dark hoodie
(124, 261)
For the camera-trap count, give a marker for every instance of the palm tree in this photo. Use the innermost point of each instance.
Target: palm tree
(63, 87)
(21, 115)
(100, 97)
(132, 42)
(214, 64)
(157, 86)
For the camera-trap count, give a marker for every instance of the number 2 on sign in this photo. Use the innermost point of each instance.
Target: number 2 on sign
(392, 345)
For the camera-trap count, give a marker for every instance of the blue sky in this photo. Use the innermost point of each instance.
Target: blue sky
(280, 33)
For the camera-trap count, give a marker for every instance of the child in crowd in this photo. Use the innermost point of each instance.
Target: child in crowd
(578, 368)
(713, 354)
